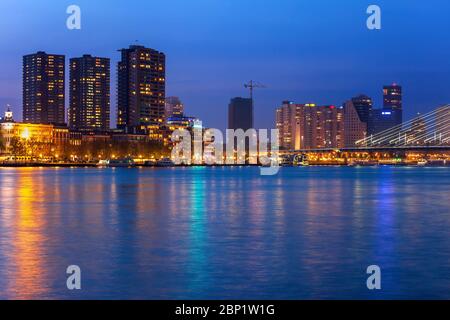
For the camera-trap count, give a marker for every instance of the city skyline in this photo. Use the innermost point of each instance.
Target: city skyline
(224, 158)
(206, 74)
(150, 77)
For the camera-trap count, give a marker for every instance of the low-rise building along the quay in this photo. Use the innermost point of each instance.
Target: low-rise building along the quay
(57, 142)
(164, 133)
(308, 126)
(40, 133)
(35, 139)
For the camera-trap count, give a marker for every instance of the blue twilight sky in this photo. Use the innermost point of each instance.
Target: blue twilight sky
(303, 50)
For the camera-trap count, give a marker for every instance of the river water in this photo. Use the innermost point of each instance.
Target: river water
(224, 233)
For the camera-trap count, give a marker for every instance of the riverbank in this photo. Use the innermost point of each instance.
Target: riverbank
(47, 164)
(313, 164)
(94, 165)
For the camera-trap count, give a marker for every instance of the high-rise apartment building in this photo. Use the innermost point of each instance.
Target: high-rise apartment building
(141, 88)
(284, 122)
(43, 88)
(89, 93)
(307, 126)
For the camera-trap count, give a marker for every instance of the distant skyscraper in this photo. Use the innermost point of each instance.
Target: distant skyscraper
(363, 105)
(43, 88)
(174, 107)
(391, 115)
(382, 120)
(392, 97)
(141, 88)
(240, 114)
(393, 101)
(89, 93)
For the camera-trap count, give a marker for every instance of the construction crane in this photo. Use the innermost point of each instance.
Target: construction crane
(253, 85)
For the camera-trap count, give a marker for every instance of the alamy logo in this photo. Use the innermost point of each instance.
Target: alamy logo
(74, 280)
(374, 280)
(207, 146)
(374, 20)
(74, 20)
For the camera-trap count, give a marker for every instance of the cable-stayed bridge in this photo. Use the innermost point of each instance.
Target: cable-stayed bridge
(430, 129)
(426, 136)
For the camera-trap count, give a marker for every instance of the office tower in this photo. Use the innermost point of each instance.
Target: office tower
(307, 126)
(43, 88)
(354, 128)
(393, 101)
(174, 107)
(141, 88)
(240, 114)
(390, 117)
(382, 120)
(392, 97)
(89, 93)
(363, 105)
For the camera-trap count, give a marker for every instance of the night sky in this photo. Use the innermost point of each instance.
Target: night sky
(303, 50)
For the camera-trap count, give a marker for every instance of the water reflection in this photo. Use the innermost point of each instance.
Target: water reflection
(224, 232)
(197, 268)
(26, 263)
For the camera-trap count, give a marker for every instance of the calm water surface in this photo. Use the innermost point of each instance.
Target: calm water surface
(225, 232)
